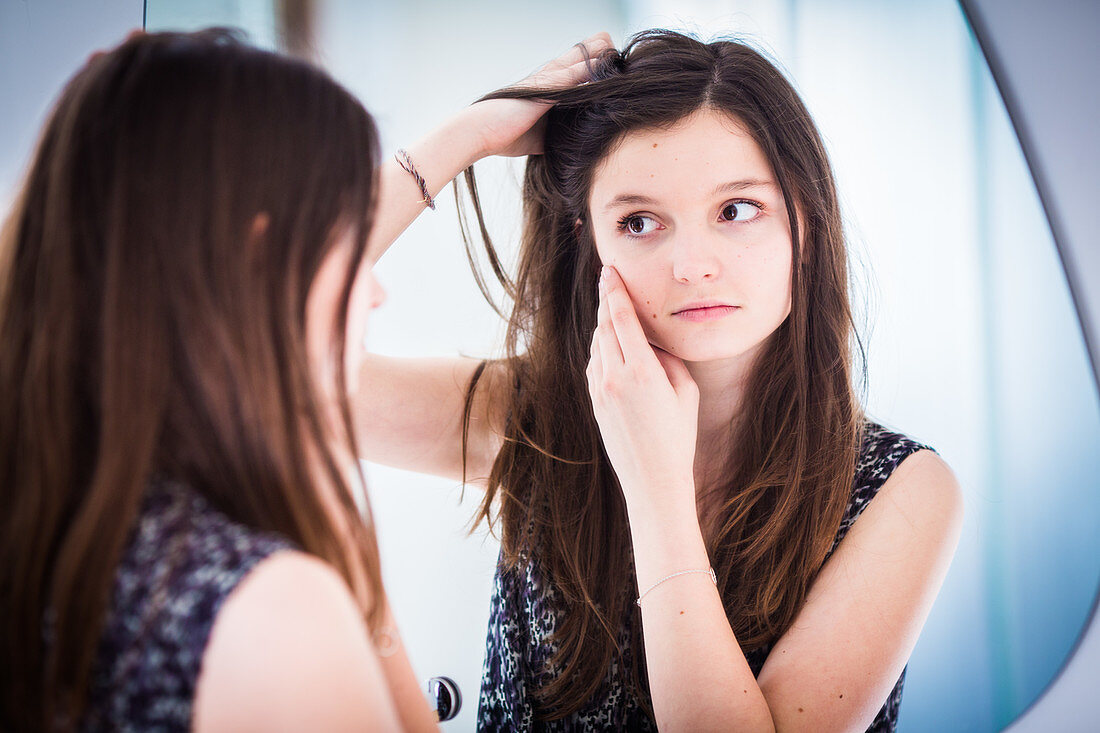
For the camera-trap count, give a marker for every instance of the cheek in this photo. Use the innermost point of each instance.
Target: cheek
(764, 267)
(320, 311)
(638, 276)
(646, 308)
(366, 295)
(358, 309)
(773, 288)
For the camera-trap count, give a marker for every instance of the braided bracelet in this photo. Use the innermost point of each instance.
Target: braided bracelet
(710, 571)
(405, 162)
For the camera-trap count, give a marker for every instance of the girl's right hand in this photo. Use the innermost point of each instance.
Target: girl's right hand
(514, 127)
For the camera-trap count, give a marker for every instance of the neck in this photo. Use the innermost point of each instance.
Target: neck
(721, 391)
(721, 387)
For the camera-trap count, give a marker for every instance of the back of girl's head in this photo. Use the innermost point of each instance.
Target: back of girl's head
(153, 282)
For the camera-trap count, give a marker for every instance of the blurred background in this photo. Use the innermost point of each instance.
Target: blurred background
(974, 346)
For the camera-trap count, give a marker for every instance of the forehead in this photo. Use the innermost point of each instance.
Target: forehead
(701, 151)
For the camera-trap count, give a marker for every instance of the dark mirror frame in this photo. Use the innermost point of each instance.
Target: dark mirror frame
(1043, 60)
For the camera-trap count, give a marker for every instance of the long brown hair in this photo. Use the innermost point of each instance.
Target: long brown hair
(148, 329)
(557, 497)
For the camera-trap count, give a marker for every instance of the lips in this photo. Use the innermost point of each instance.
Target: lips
(705, 310)
(701, 304)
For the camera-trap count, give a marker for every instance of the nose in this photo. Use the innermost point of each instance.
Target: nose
(694, 258)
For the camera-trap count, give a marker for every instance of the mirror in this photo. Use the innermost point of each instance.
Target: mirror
(974, 346)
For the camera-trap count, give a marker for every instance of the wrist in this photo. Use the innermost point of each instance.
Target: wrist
(464, 133)
(665, 544)
(664, 527)
(445, 152)
(665, 524)
(661, 501)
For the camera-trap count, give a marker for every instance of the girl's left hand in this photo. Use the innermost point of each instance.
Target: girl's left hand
(646, 404)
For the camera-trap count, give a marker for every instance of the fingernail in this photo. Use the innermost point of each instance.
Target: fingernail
(603, 278)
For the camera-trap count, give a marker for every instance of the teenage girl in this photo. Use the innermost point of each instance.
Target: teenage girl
(701, 528)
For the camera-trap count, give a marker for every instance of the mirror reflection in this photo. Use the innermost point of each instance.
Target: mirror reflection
(972, 342)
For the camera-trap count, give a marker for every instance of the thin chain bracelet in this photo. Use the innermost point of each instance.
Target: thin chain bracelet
(405, 162)
(709, 571)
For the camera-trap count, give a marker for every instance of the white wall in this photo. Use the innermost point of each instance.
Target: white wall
(42, 42)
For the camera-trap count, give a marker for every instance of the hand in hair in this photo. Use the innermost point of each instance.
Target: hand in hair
(646, 404)
(488, 127)
(515, 127)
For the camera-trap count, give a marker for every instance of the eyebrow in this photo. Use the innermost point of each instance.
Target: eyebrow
(639, 199)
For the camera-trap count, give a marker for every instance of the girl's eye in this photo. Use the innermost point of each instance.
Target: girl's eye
(740, 211)
(637, 225)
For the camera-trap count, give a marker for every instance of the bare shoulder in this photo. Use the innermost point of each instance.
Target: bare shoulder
(915, 517)
(289, 651)
(923, 487)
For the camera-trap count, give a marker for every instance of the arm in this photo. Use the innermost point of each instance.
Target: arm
(847, 647)
(408, 413)
(832, 670)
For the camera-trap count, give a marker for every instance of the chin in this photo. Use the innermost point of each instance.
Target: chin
(732, 343)
(707, 352)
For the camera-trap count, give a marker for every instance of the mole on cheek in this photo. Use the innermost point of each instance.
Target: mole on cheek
(654, 144)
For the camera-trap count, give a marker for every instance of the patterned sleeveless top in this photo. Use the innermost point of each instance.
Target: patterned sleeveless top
(182, 560)
(522, 616)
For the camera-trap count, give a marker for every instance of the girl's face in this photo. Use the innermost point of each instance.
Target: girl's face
(694, 221)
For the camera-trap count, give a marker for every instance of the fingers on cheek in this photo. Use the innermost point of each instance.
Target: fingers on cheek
(621, 316)
(602, 311)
